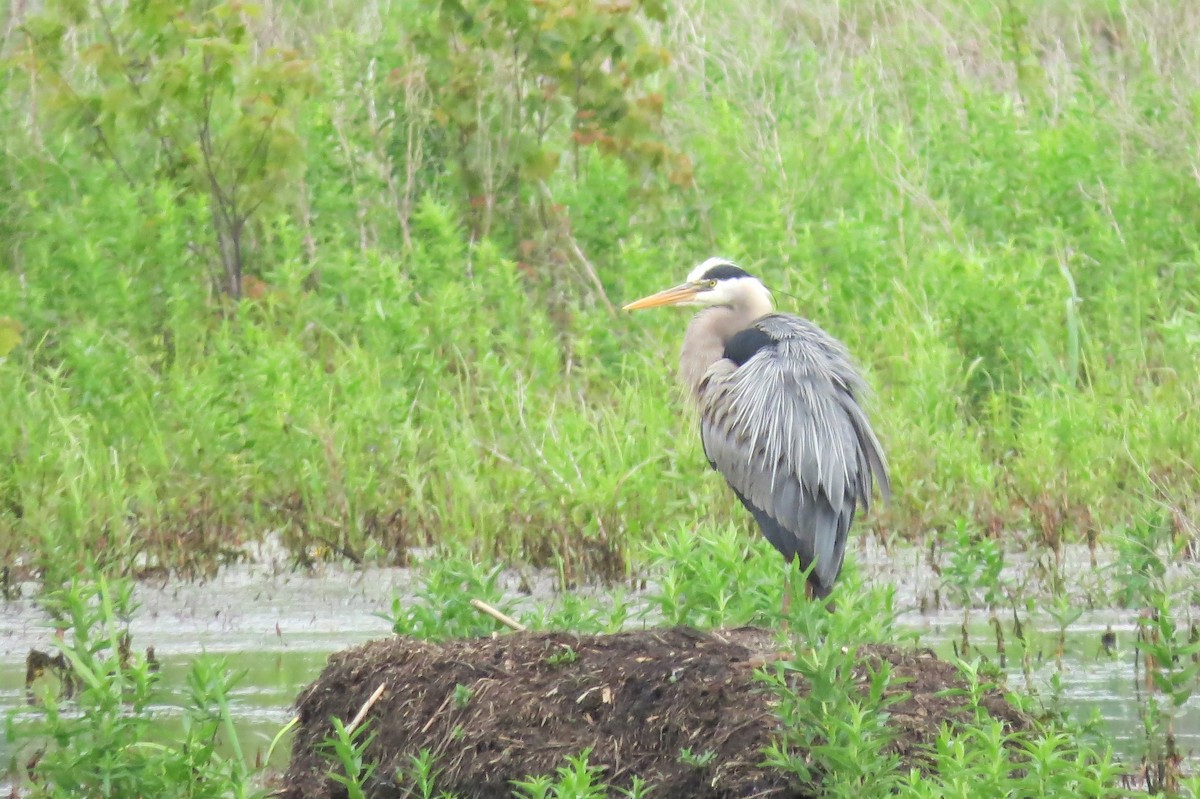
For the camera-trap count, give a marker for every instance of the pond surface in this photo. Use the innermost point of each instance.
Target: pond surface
(1092, 682)
(280, 627)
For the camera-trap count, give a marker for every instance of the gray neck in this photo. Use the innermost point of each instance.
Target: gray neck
(704, 342)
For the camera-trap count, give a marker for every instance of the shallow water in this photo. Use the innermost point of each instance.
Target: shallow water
(1092, 682)
(277, 627)
(280, 627)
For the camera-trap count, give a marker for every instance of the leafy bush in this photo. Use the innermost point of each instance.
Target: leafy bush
(178, 98)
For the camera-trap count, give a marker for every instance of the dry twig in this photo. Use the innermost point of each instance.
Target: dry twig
(507, 621)
(362, 711)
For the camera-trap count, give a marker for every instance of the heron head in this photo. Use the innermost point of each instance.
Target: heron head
(714, 282)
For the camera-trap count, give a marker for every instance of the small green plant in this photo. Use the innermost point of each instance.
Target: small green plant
(420, 778)
(638, 789)
(582, 613)
(1165, 650)
(564, 656)
(1138, 569)
(348, 747)
(982, 758)
(575, 779)
(462, 696)
(1171, 672)
(975, 563)
(985, 760)
(833, 735)
(980, 679)
(1065, 612)
(1019, 634)
(834, 724)
(696, 759)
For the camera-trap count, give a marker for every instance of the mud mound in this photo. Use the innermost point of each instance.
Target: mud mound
(528, 700)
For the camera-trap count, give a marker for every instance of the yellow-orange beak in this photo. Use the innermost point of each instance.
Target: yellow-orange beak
(672, 296)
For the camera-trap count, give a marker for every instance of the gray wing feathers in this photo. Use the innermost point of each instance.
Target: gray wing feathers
(788, 434)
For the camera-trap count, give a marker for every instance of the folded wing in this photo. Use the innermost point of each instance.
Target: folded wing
(780, 419)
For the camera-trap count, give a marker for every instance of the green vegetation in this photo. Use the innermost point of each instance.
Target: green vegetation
(344, 275)
(442, 607)
(987, 203)
(348, 748)
(101, 740)
(839, 720)
(575, 780)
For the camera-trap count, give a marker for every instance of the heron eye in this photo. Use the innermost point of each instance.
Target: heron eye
(712, 284)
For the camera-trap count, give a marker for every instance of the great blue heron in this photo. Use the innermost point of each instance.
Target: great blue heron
(778, 400)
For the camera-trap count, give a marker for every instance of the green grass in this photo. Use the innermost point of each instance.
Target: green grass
(988, 203)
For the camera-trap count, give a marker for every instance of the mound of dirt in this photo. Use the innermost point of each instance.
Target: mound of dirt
(494, 710)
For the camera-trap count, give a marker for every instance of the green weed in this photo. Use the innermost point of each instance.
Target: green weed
(607, 612)
(461, 696)
(833, 735)
(564, 656)
(442, 607)
(422, 775)
(710, 578)
(348, 748)
(575, 779)
(102, 740)
(974, 563)
(1169, 657)
(697, 759)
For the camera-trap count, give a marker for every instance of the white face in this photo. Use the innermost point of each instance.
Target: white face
(729, 291)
